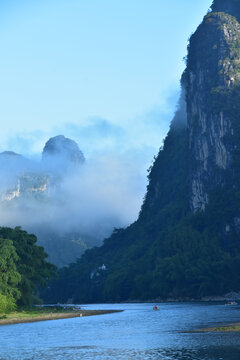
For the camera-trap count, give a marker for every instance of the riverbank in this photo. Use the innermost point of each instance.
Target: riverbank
(34, 316)
(222, 328)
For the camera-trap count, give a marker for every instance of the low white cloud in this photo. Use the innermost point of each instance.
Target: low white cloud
(90, 199)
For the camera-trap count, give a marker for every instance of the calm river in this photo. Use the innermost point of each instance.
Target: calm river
(138, 333)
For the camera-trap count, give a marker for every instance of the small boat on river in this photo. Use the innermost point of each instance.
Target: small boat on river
(232, 303)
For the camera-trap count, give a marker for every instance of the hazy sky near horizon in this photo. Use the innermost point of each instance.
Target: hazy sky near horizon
(103, 72)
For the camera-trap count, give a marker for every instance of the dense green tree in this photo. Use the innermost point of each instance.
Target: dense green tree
(31, 263)
(9, 277)
(7, 304)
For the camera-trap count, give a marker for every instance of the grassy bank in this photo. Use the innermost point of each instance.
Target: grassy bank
(43, 314)
(223, 328)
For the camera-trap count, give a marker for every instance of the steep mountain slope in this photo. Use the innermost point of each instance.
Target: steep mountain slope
(186, 242)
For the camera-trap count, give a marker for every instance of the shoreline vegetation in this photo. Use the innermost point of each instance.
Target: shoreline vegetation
(222, 328)
(27, 316)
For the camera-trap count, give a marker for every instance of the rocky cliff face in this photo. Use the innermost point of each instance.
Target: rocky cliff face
(28, 186)
(213, 68)
(20, 178)
(210, 86)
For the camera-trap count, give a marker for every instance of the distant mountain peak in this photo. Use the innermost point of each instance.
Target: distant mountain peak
(10, 153)
(62, 148)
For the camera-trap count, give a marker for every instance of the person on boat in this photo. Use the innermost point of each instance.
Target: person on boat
(155, 308)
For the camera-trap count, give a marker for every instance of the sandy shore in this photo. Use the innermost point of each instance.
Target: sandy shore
(221, 328)
(55, 316)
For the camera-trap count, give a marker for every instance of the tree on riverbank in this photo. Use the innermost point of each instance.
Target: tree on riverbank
(23, 266)
(9, 276)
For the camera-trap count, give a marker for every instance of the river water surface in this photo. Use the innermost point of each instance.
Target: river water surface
(138, 333)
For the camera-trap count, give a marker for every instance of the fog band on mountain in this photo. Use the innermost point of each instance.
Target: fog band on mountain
(71, 203)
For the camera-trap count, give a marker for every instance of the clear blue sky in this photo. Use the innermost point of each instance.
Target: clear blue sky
(104, 72)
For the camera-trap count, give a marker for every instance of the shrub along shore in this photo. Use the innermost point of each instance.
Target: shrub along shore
(222, 328)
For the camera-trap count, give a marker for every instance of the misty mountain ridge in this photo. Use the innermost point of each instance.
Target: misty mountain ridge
(30, 188)
(60, 155)
(69, 203)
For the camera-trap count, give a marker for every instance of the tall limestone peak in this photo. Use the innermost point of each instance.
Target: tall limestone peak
(60, 148)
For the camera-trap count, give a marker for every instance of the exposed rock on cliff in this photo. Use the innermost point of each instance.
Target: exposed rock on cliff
(29, 186)
(213, 67)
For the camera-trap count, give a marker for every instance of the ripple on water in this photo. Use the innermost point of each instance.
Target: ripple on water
(94, 353)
